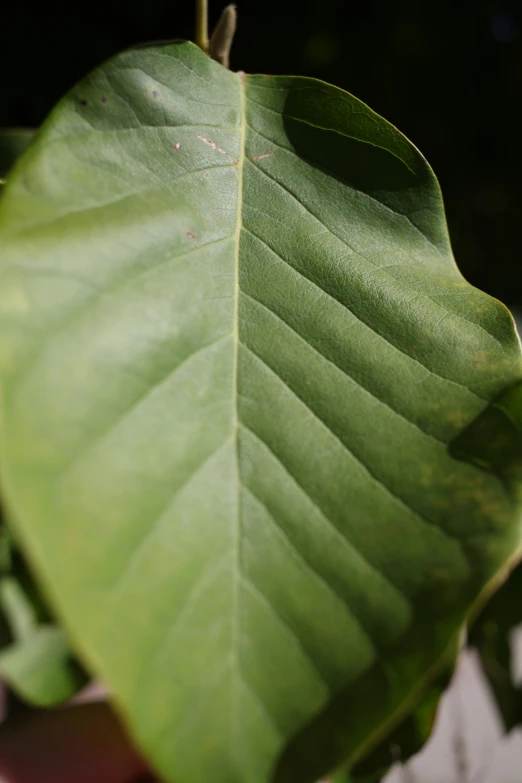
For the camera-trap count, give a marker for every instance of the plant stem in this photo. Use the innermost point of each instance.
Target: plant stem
(202, 24)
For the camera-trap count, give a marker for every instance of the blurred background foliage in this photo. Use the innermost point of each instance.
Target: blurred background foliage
(448, 73)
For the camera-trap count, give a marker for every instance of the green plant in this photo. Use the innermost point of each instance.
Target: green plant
(261, 442)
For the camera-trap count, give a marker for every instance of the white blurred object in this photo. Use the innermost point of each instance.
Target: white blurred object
(94, 691)
(516, 658)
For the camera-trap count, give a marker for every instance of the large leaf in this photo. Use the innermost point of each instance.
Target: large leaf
(234, 349)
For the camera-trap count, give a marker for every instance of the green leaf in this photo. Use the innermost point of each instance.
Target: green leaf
(234, 351)
(17, 608)
(39, 668)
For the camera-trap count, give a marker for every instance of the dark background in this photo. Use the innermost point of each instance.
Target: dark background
(447, 73)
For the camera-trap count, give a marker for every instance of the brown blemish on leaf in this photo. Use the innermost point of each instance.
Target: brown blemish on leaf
(426, 475)
(262, 157)
(104, 99)
(83, 102)
(190, 235)
(215, 147)
(155, 93)
(176, 146)
(482, 360)
(458, 418)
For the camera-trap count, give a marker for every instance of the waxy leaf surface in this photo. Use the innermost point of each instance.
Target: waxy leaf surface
(240, 375)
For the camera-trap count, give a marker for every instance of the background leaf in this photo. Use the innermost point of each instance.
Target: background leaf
(13, 142)
(35, 659)
(235, 349)
(406, 740)
(490, 634)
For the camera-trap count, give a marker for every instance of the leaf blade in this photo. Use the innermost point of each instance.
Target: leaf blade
(269, 290)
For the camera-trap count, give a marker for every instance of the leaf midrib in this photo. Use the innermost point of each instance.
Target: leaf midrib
(234, 717)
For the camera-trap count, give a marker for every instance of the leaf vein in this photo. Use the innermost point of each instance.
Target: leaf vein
(147, 392)
(256, 698)
(336, 530)
(48, 337)
(311, 569)
(361, 320)
(346, 374)
(392, 494)
(283, 623)
(385, 267)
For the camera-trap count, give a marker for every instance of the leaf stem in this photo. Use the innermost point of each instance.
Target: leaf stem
(202, 24)
(222, 36)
